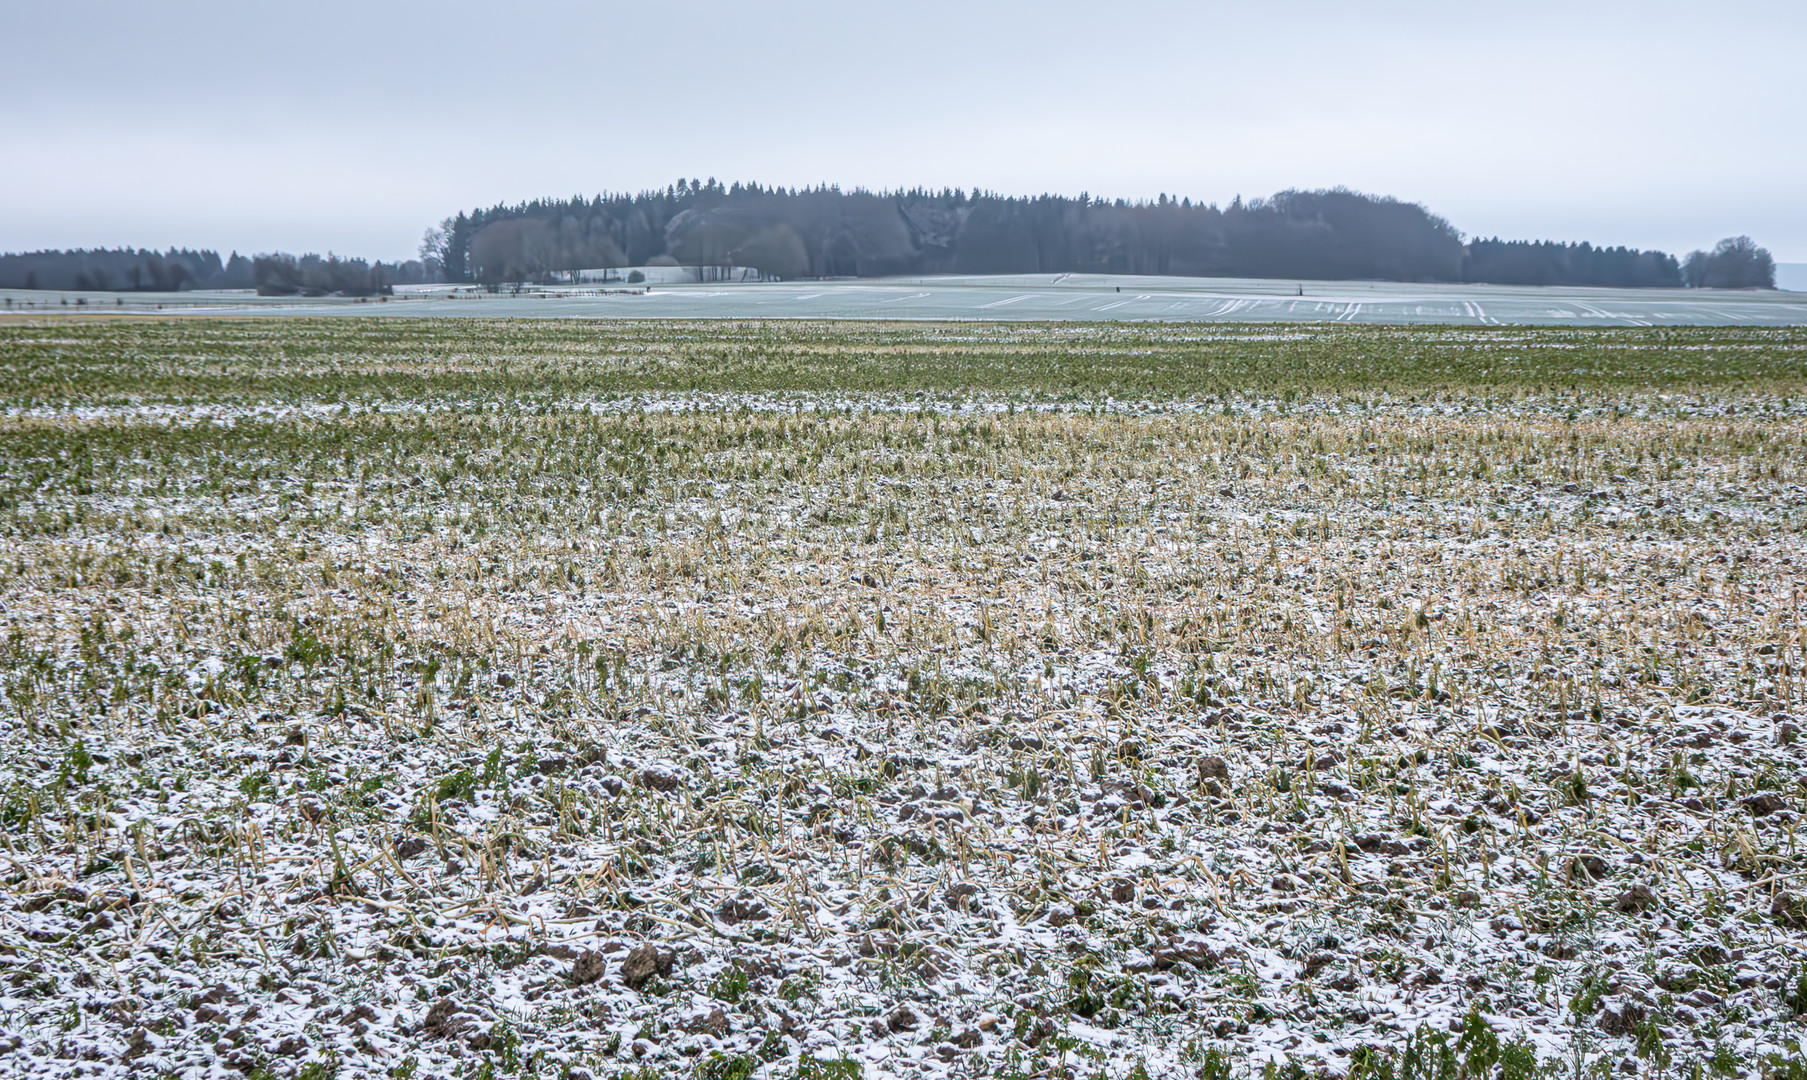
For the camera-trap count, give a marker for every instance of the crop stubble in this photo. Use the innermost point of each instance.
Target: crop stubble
(963, 699)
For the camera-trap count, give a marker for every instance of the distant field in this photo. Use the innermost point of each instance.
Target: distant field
(788, 699)
(1028, 298)
(570, 362)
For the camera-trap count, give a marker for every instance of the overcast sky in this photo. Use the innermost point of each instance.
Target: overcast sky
(353, 126)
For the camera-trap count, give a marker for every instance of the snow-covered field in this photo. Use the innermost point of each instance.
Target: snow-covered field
(1022, 298)
(537, 699)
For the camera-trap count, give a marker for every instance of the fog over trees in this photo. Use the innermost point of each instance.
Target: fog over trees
(826, 232)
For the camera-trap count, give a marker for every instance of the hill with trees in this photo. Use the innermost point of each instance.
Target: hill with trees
(827, 232)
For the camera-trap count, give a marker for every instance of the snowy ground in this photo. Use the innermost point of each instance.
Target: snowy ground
(1020, 298)
(411, 725)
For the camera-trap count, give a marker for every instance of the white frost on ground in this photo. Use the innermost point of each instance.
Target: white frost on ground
(1119, 757)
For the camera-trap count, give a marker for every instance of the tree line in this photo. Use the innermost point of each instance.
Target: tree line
(179, 269)
(315, 275)
(1525, 262)
(1734, 263)
(124, 270)
(826, 232)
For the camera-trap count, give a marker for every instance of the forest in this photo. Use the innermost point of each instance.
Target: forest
(125, 270)
(180, 269)
(825, 232)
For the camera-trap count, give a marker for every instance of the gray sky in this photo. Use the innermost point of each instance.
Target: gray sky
(352, 127)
